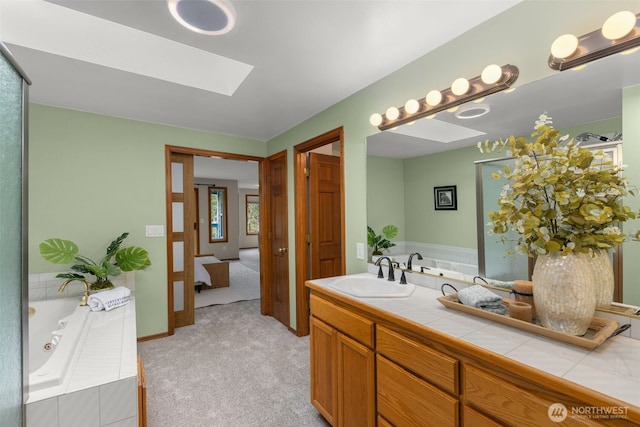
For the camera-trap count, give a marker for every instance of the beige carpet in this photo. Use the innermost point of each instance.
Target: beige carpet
(233, 368)
(244, 285)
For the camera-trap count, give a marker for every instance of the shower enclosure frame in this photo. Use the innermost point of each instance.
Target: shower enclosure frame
(23, 244)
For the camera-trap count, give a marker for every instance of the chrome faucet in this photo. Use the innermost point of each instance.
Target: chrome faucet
(391, 276)
(85, 296)
(410, 258)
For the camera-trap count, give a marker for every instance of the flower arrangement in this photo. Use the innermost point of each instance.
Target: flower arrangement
(560, 197)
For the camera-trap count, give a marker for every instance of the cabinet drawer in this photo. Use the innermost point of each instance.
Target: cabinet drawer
(435, 367)
(351, 324)
(406, 400)
(509, 403)
(473, 418)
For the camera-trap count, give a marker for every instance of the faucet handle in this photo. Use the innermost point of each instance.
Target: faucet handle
(403, 279)
(380, 275)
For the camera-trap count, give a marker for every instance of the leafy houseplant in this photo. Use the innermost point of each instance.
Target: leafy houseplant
(560, 197)
(380, 242)
(116, 260)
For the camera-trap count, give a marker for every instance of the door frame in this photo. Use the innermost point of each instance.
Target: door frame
(168, 150)
(301, 208)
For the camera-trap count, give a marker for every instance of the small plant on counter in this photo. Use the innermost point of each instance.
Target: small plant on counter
(380, 242)
(116, 260)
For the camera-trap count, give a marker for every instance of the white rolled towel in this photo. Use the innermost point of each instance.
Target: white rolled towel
(108, 300)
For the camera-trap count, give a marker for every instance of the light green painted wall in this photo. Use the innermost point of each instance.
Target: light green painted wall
(93, 177)
(424, 223)
(631, 157)
(386, 195)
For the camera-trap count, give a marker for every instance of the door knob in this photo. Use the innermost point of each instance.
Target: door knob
(282, 251)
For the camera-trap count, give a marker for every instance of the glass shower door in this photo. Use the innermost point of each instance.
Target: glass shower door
(13, 242)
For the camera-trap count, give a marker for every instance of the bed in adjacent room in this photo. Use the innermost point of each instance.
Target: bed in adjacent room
(210, 272)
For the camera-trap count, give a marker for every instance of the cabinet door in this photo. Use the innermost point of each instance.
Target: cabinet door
(356, 386)
(323, 341)
(406, 400)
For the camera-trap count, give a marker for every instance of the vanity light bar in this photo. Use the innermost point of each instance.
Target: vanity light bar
(620, 32)
(460, 93)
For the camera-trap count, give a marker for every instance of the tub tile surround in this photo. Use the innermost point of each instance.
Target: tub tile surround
(446, 257)
(100, 388)
(612, 368)
(45, 286)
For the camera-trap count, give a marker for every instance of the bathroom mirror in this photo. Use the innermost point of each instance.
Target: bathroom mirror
(404, 165)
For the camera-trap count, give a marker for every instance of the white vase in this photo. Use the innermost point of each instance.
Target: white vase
(564, 292)
(603, 274)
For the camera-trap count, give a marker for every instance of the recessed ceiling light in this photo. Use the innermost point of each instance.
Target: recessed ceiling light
(211, 17)
(471, 111)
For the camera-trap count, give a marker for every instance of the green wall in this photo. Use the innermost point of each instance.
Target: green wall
(631, 157)
(386, 195)
(92, 177)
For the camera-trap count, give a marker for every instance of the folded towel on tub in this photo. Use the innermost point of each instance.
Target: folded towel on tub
(107, 300)
(480, 297)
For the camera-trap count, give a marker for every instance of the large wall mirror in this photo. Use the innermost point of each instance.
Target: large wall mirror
(404, 165)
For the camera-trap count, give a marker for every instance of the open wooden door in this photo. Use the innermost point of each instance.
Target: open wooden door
(320, 229)
(325, 216)
(277, 239)
(180, 205)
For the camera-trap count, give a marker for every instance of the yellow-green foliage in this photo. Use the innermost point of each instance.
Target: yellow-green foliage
(559, 197)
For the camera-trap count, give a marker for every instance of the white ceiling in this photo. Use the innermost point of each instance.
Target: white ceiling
(132, 59)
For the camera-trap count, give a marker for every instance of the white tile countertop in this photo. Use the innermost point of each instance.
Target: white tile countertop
(612, 368)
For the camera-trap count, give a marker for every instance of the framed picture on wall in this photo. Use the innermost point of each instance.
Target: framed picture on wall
(445, 198)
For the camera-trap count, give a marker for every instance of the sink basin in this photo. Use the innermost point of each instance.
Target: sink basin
(371, 287)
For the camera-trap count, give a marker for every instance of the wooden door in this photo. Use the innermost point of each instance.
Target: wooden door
(325, 216)
(277, 238)
(180, 205)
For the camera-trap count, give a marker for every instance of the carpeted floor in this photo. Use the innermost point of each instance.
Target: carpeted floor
(244, 284)
(233, 368)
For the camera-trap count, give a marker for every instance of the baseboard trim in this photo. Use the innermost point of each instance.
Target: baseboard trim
(153, 337)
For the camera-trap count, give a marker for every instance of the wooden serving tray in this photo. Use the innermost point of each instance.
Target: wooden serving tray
(599, 330)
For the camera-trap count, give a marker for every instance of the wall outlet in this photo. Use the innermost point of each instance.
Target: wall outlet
(360, 250)
(154, 231)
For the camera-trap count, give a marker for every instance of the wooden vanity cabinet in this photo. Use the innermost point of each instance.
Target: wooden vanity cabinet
(342, 365)
(410, 376)
(416, 385)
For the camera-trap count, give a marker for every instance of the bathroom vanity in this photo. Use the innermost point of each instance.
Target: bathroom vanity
(412, 361)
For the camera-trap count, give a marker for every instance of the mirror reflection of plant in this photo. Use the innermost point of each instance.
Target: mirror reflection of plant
(560, 197)
(380, 242)
(58, 251)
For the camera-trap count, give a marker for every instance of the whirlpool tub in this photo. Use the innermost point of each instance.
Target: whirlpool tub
(55, 330)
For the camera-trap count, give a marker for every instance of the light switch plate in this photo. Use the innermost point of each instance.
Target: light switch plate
(154, 231)
(360, 250)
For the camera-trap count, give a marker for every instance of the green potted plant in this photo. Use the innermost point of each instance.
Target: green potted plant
(565, 203)
(381, 242)
(116, 260)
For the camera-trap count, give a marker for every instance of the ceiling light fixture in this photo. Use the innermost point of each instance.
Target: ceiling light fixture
(493, 79)
(210, 17)
(619, 33)
(471, 111)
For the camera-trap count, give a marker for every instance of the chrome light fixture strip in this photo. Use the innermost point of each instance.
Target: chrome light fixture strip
(477, 89)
